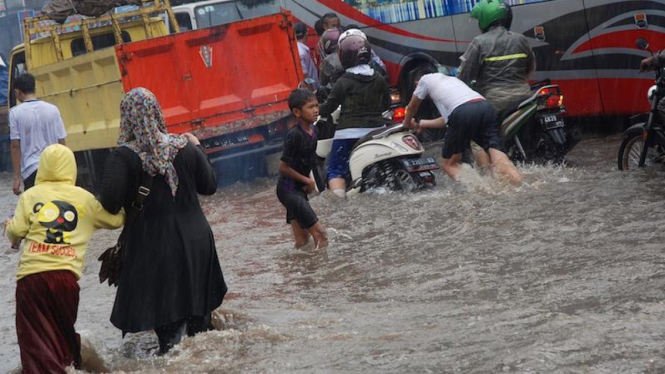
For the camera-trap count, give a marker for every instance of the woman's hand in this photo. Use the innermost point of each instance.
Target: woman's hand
(191, 138)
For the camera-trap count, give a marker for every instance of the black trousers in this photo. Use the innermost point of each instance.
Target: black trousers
(29, 182)
(171, 334)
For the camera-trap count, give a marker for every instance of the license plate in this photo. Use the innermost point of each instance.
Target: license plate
(552, 121)
(425, 163)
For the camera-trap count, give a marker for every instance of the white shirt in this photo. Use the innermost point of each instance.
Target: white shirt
(37, 124)
(447, 92)
(308, 66)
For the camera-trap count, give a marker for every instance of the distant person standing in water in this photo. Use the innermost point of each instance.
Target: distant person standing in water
(33, 126)
(308, 65)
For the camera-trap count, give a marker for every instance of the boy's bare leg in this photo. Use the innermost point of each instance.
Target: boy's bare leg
(301, 236)
(452, 166)
(338, 187)
(505, 167)
(319, 234)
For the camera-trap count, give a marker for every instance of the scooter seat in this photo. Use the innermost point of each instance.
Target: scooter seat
(372, 134)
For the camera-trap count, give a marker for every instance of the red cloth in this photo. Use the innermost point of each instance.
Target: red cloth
(46, 309)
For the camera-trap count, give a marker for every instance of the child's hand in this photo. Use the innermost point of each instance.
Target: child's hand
(310, 187)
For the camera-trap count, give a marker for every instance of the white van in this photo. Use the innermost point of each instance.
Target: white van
(209, 13)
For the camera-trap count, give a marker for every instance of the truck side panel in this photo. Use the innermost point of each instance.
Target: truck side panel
(87, 90)
(220, 79)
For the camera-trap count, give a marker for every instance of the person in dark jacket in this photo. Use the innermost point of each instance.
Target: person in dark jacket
(501, 62)
(656, 61)
(363, 95)
(171, 279)
(331, 68)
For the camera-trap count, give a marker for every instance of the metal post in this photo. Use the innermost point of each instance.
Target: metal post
(172, 20)
(117, 32)
(87, 40)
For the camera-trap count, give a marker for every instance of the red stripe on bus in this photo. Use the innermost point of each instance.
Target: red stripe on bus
(592, 97)
(623, 39)
(344, 9)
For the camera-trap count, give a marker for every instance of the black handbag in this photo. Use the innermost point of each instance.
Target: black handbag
(111, 258)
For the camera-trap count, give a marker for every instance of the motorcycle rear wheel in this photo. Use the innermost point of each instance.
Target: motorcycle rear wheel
(402, 180)
(630, 150)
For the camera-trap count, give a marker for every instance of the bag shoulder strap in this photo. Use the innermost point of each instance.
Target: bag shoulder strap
(143, 192)
(137, 205)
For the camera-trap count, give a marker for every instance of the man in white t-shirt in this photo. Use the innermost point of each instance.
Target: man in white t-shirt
(468, 117)
(33, 126)
(308, 66)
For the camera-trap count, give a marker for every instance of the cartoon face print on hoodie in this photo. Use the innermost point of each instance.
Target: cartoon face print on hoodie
(59, 217)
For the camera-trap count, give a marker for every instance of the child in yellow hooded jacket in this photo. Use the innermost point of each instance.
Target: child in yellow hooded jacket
(57, 219)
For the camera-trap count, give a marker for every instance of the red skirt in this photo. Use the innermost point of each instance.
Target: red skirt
(46, 309)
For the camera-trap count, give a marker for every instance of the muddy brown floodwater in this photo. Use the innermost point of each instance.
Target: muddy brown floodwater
(565, 275)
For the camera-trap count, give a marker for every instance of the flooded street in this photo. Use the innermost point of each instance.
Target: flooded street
(565, 275)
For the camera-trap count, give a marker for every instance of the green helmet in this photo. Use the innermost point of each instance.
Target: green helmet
(488, 12)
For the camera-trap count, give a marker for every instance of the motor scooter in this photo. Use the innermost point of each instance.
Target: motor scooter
(387, 157)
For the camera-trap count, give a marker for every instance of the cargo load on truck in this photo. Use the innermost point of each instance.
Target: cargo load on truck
(59, 10)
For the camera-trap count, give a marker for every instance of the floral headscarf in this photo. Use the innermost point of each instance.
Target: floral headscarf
(142, 129)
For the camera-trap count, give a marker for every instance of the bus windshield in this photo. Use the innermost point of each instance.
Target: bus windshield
(226, 12)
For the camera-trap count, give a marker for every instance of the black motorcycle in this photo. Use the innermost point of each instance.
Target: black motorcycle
(643, 143)
(534, 129)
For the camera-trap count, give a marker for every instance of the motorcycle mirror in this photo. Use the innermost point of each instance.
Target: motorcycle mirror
(642, 44)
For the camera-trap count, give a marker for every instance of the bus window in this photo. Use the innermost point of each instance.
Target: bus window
(184, 21)
(98, 42)
(17, 68)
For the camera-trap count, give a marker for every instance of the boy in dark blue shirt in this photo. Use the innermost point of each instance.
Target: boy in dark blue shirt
(295, 167)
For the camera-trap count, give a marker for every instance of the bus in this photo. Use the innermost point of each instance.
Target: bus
(585, 46)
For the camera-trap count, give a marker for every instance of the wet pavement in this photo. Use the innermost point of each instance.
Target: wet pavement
(563, 275)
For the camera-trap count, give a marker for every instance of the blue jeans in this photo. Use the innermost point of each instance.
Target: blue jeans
(338, 160)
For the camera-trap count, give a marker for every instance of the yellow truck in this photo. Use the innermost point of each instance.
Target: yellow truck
(227, 84)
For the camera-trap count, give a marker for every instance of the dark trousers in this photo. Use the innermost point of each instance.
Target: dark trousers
(46, 310)
(29, 182)
(171, 334)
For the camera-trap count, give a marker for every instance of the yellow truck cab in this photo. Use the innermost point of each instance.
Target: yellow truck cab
(45, 50)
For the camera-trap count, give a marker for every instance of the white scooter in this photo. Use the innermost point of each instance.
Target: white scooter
(390, 157)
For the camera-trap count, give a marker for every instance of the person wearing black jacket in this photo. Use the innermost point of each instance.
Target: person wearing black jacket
(656, 61)
(363, 95)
